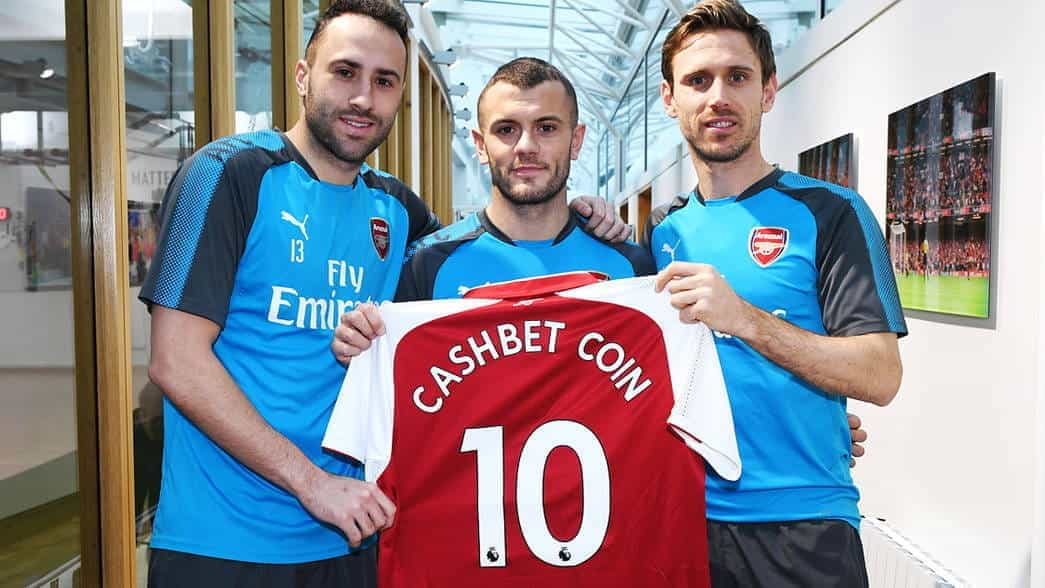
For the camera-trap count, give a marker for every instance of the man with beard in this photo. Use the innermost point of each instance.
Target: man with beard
(267, 238)
(792, 274)
(527, 134)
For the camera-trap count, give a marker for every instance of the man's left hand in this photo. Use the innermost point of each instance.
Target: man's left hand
(603, 221)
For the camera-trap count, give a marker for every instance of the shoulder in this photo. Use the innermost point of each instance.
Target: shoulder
(640, 258)
(421, 220)
(662, 212)
(389, 184)
(466, 229)
(258, 147)
(819, 194)
(658, 214)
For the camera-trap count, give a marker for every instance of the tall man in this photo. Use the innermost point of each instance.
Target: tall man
(267, 239)
(793, 276)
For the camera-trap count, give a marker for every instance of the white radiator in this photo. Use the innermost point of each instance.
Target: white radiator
(64, 576)
(894, 562)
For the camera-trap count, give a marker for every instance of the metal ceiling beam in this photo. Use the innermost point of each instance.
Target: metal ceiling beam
(632, 17)
(551, 29)
(574, 34)
(634, 13)
(676, 7)
(541, 47)
(652, 36)
(595, 80)
(610, 70)
(616, 41)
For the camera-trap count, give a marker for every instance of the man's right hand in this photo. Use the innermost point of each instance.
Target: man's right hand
(357, 329)
(356, 507)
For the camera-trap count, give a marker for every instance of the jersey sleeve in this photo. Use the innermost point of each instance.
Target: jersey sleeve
(206, 215)
(857, 288)
(701, 414)
(360, 426)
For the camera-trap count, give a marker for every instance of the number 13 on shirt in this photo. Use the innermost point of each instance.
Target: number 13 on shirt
(488, 445)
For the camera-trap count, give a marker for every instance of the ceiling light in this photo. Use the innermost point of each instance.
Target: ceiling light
(444, 57)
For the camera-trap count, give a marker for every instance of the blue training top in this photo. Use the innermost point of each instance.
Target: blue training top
(254, 242)
(812, 254)
(473, 252)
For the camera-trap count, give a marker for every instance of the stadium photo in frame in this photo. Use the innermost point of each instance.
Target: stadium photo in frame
(939, 198)
(831, 162)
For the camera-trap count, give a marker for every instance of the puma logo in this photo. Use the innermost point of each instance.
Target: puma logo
(299, 224)
(670, 250)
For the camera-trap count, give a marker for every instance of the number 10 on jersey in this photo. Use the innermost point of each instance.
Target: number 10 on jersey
(488, 445)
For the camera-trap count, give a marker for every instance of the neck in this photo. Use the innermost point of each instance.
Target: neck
(537, 222)
(328, 167)
(721, 180)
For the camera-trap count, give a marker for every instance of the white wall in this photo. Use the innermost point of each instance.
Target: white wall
(953, 462)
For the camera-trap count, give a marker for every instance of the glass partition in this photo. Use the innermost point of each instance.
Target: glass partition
(158, 65)
(253, 25)
(39, 500)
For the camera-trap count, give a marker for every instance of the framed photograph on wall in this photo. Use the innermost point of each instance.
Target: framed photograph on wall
(831, 162)
(143, 224)
(939, 198)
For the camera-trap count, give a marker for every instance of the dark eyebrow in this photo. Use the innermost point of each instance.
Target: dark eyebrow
(543, 119)
(501, 121)
(550, 118)
(704, 71)
(356, 65)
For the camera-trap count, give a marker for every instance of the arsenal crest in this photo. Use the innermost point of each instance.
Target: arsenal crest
(379, 234)
(767, 244)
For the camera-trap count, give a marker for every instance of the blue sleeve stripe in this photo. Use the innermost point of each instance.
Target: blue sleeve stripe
(190, 214)
(877, 251)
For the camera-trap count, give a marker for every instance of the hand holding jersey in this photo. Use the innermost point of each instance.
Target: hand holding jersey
(702, 295)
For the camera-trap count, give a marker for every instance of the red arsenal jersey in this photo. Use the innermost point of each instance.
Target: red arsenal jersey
(542, 435)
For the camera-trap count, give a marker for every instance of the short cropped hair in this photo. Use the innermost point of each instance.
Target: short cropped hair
(719, 15)
(387, 13)
(526, 73)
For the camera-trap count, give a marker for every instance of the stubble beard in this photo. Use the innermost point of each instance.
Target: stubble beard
(533, 196)
(726, 153)
(320, 119)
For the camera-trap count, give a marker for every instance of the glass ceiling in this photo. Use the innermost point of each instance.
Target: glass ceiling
(599, 44)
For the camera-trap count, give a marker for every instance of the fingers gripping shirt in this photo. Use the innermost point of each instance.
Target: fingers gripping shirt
(812, 254)
(254, 242)
(540, 437)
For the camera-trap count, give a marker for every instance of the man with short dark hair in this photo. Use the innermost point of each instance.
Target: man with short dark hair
(793, 276)
(267, 238)
(527, 135)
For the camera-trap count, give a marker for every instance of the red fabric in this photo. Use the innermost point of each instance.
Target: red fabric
(656, 534)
